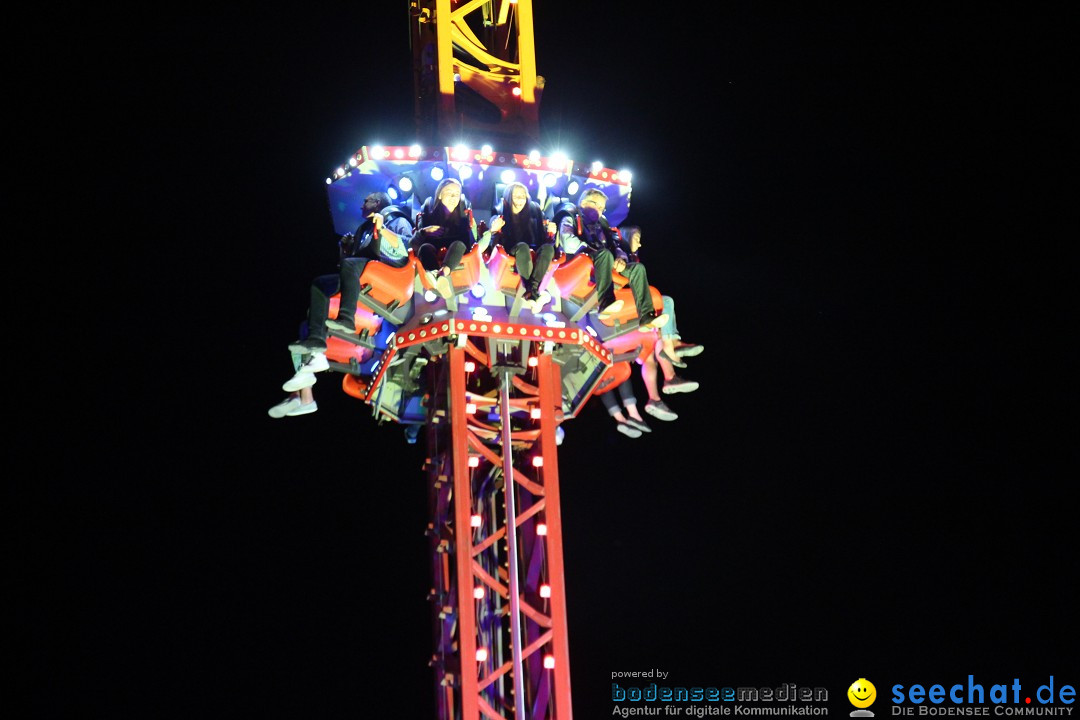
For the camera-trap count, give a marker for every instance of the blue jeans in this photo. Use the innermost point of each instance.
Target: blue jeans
(670, 328)
(626, 394)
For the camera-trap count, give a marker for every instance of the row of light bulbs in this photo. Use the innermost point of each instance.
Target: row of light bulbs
(460, 153)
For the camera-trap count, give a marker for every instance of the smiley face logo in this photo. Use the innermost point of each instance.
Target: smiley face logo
(862, 693)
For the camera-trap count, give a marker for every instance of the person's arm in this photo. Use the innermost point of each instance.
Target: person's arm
(485, 240)
(566, 238)
(614, 243)
(375, 245)
(399, 232)
(346, 246)
(497, 223)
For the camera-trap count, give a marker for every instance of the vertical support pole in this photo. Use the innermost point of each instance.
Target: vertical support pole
(511, 540)
(550, 396)
(466, 614)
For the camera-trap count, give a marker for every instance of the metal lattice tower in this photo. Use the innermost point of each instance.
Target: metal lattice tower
(474, 66)
(497, 536)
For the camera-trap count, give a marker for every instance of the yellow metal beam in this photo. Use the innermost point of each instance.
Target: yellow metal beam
(465, 9)
(526, 51)
(478, 52)
(444, 49)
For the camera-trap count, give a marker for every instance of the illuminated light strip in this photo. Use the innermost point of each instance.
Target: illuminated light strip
(557, 162)
(511, 331)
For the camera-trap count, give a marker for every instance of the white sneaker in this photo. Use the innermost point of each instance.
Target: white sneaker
(317, 363)
(299, 381)
(679, 385)
(304, 409)
(689, 350)
(443, 287)
(285, 407)
(659, 410)
(610, 310)
(658, 321)
(541, 300)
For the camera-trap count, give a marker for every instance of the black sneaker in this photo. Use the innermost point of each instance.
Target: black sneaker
(347, 326)
(673, 360)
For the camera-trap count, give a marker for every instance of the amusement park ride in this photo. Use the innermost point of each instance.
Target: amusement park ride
(487, 374)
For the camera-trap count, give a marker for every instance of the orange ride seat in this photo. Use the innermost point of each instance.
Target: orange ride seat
(501, 266)
(387, 290)
(628, 313)
(465, 278)
(614, 376)
(573, 280)
(354, 386)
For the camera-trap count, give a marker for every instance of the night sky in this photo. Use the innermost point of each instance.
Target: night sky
(856, 215)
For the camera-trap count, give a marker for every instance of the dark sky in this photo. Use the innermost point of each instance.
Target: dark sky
(850, 210)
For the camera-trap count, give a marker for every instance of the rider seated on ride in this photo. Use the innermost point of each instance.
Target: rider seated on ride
(445, 223)
(520, 229)
(671, 349)
(586, 230)
(383, 236)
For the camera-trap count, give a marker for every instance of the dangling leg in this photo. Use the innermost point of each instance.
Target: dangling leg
(602, 266)
(524, 265)
(351, 270)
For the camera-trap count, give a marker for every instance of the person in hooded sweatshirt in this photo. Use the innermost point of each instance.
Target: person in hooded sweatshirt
(445, 223)
(521, 229)
(588, 231)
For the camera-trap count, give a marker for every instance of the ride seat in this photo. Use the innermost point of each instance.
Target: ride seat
(365, 322)
(388, 290)
(641, 345)
(343, 351)
(464, 279)
(626, 319)
(614, 376)
(501, 266)
(354, 386)
(573, 279)
(461, 279)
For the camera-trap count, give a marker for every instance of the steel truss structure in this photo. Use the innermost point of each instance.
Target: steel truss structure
(474, 66)
(496, 534)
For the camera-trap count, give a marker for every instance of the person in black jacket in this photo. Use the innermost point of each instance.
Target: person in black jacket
(520, 229)
(444, 223)
(587, 230)
(383, 236)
